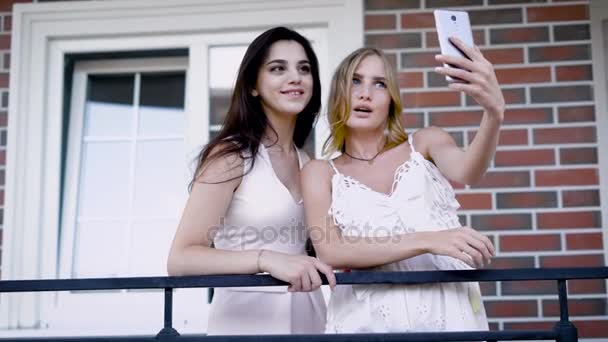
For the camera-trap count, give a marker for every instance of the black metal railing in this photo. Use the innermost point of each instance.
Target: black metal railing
(563, 331)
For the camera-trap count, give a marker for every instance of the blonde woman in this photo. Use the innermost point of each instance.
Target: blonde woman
(384, 204)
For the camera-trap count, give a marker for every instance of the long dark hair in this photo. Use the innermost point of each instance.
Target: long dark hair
(246, 121)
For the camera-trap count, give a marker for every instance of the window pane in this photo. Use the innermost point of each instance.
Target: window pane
(98, 249)
(224, 64)
(161, 182)
(109, 106)
(104, 180)
(150, 242)
(162, 104)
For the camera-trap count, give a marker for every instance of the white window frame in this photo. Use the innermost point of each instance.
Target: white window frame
(44, 33)
(599, 35)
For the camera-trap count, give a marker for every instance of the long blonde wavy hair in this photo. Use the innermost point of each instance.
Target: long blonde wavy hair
(339, 105)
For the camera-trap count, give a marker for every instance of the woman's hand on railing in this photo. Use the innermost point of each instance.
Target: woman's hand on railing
(465, 244)
(301, 271)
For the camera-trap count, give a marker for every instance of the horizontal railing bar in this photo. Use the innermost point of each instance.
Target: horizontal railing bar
(387, 337)
(358, 277)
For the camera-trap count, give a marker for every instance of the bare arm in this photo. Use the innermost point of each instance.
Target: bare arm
(191, 252)
(469, 166)
(361, 252)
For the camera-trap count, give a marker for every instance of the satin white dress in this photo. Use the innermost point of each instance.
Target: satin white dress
(421, 199)
(264, 215)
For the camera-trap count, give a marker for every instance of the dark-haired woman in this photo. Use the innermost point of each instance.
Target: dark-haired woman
(245, 196)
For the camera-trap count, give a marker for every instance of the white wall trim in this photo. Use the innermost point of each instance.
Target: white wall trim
(599, 41)
(43, 33)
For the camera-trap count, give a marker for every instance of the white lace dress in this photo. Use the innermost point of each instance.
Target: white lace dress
(421, 199)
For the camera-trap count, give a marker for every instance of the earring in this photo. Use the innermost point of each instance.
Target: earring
(254, 93)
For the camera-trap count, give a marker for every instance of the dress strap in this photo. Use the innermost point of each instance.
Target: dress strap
(410, 139)
(331, 162)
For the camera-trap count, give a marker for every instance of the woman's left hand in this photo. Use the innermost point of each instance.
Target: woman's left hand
(479, 73)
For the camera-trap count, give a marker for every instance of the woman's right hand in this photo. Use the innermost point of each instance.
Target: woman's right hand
(464, 243)
(301, 271)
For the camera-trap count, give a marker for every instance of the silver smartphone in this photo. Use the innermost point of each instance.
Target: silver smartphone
(453, 24)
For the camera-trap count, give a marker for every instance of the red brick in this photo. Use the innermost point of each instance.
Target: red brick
(530, 243)
(536, 199)
(566, 177)
(557, 13)
(564, 135)
(509, 179)
(455, 118)
(479, 38)
(528, 115)
(504, 56)
(431, 99)
(525, 34)
(576, 113)
(523, 75)
(580, 198)
(592, 329)
(576, 307)
(511, 263)
(578, 155)
(524, 157)
(417, 20)
(4, 80)
(561, 93)
(507, 137)
(513, 96)
(451, 3)
(8, 23)
(7, 5)
(529, 325)
(394, 40)
(488, 288)
(412, 120)
(591, 260)
(380, 22)
(5, 42)
(573, 73)
(472, 201)
(501, 221)
(586, 286)
(559, 53)
(391, 4)
(536, 287)
(492, 16)
(418, 59)
(569, 219)
(411, 79)
(511, 308)
(513, 137)
(584, 241)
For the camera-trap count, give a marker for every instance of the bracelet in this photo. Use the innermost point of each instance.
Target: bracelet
(258, 261)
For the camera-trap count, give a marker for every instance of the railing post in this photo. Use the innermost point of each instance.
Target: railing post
(168, 333)
(566, 331)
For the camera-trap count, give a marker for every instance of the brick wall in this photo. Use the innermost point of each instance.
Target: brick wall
(539, 201)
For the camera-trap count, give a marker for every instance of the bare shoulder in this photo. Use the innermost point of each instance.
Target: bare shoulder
(316, 170)
(426, 138)
(220, 168)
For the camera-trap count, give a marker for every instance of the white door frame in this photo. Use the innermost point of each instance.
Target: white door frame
(44, 33)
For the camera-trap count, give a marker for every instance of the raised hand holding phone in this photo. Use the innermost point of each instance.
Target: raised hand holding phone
(465, 67)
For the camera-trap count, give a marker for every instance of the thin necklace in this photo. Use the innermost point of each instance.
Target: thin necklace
(370, 160)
